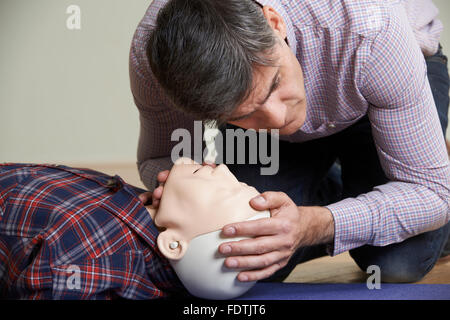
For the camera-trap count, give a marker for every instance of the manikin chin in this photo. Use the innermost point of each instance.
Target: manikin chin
(196, 203)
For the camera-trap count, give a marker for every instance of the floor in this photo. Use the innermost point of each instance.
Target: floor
(338, 269)
(342, 269)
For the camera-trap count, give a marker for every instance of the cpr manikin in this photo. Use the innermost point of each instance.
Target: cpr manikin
(196, 203)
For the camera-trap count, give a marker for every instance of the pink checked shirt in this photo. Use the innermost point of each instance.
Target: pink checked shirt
(358, 57)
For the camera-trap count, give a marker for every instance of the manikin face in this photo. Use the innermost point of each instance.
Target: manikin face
(285, 107)
(196, 200)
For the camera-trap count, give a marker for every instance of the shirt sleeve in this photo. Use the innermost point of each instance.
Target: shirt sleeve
(409, 143)
(157, 115)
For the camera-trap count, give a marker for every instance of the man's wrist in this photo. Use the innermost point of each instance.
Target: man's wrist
(321, 224)
(328, 225)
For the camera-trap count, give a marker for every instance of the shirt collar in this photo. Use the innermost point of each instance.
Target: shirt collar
(126, 205)
(276, 4)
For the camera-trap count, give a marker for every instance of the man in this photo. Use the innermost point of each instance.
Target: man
(70, 233)
(342, 81)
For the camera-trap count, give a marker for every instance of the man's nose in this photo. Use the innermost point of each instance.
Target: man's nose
(275, 114)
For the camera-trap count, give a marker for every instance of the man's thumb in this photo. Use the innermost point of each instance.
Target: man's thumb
(260, 202)
(270, 200)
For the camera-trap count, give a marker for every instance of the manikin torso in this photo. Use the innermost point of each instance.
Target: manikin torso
(196, 203)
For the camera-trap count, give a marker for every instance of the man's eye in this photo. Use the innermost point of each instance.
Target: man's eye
(196, 170)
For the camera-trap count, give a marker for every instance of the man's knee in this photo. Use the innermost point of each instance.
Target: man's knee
(394, 267)
(407, 261)
(403, 272)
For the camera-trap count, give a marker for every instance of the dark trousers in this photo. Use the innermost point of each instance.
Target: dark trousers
(326, 170)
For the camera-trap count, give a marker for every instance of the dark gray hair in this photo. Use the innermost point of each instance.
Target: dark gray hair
(203, 54)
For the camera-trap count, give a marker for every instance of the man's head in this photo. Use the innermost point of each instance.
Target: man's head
(228, 61)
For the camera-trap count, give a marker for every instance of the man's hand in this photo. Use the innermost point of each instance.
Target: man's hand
(275, 238)
(156, 195)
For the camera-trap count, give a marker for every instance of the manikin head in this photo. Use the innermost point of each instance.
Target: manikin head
(196, 203)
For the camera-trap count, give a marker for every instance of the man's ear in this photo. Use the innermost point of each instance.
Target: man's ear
(171, 245)
(275, 20)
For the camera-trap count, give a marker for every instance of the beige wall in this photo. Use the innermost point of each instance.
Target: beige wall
(64, 95)
(444, 16)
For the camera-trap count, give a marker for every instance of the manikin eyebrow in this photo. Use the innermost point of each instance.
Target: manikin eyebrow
(272, 88)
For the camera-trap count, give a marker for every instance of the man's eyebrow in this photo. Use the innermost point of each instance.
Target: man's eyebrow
(272, 88)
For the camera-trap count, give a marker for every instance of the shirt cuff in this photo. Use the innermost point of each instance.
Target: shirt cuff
(352, 225)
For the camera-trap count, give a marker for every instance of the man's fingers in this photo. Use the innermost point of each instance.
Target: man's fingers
(254, 246)
(253, 228)
(157, 194)
(256, 261)
(155, 203)
(270, 200)
(162, 176)
(260, 274)
(145, 197)
(154, 196)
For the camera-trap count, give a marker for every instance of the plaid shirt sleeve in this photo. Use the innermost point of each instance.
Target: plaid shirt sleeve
(409, 143)
(69, 233)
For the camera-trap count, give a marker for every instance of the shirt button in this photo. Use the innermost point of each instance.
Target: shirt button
(113, 184)
(331, 125)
